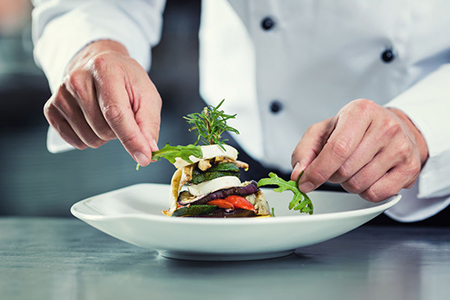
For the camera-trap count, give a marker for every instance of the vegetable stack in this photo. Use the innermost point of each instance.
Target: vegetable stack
(207, 180)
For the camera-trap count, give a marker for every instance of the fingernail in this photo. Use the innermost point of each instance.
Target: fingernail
(297, 170)
(141, 158)
(306, 187)
(155, 146)
(298, 166)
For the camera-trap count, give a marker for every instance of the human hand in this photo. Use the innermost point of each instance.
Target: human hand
(370, 150)
(107, 95)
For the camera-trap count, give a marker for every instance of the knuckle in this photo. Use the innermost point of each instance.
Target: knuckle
(80, 146)
(75, 142)
(372, 194)
(100, 62)
(341, 148)
(49, 110)
(76, 79)
(129, 139)
(99, 143)
(364, 104)
(106, 134)
(364, 108)
(54, 123)
(403, 151)
(114, 113)
(313, 128)
(343, 172)
(320, 177)
(391, 127)
(409, 185)
(412, 169)
(94, 142)
(158, 100)
(57, 100)
(353, 186)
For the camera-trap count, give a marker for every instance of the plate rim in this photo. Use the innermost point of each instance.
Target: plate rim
(389, 202)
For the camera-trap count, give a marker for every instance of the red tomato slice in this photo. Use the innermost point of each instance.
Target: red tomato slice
(240, 202)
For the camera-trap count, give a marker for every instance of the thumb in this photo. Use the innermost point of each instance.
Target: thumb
(310, 146)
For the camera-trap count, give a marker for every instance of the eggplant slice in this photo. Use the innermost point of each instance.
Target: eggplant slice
(246, 189)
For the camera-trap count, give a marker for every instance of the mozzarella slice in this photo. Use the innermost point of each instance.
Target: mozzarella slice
(214, 185)
(208, 152)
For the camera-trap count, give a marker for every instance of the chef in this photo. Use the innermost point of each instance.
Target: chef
(351, 92)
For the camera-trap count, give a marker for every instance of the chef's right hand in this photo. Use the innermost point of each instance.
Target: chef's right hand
(107, 95)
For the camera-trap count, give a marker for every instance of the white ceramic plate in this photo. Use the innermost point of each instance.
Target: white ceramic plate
(133, 214)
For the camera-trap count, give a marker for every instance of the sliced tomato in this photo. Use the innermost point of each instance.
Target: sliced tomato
(239, 202)
(221, 203)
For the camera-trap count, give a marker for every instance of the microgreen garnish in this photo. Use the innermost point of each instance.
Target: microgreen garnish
(210, 124)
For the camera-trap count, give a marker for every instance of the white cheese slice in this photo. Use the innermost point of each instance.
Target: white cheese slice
(208, 152)
(214, 185)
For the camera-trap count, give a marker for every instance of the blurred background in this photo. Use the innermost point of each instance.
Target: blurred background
(34, 182)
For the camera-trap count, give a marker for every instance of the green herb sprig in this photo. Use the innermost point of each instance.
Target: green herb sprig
(300, 202)
(210, 124)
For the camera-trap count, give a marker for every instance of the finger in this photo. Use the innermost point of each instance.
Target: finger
(398, 158)
(309, 146)
(348, 133)
(81, 86)
(370, 173)
(370, 145)
(115, 103)
(69, 109)
(57, 121)
(392, 169)
(388, 185)
(148, 114)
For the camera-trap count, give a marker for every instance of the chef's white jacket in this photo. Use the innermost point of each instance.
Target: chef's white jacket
(284, 65)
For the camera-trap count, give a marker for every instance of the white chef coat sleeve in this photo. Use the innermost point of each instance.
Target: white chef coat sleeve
(427, 104)
(61, 28)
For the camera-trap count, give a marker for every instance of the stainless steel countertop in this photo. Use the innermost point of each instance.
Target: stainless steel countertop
(45, 258)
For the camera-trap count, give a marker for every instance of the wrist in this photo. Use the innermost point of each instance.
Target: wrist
(93, 49)
(417, 135)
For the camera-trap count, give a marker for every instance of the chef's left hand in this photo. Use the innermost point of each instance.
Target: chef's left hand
(369, 149)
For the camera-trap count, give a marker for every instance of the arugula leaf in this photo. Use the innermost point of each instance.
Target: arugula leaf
(171, 152)
(300, 202)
